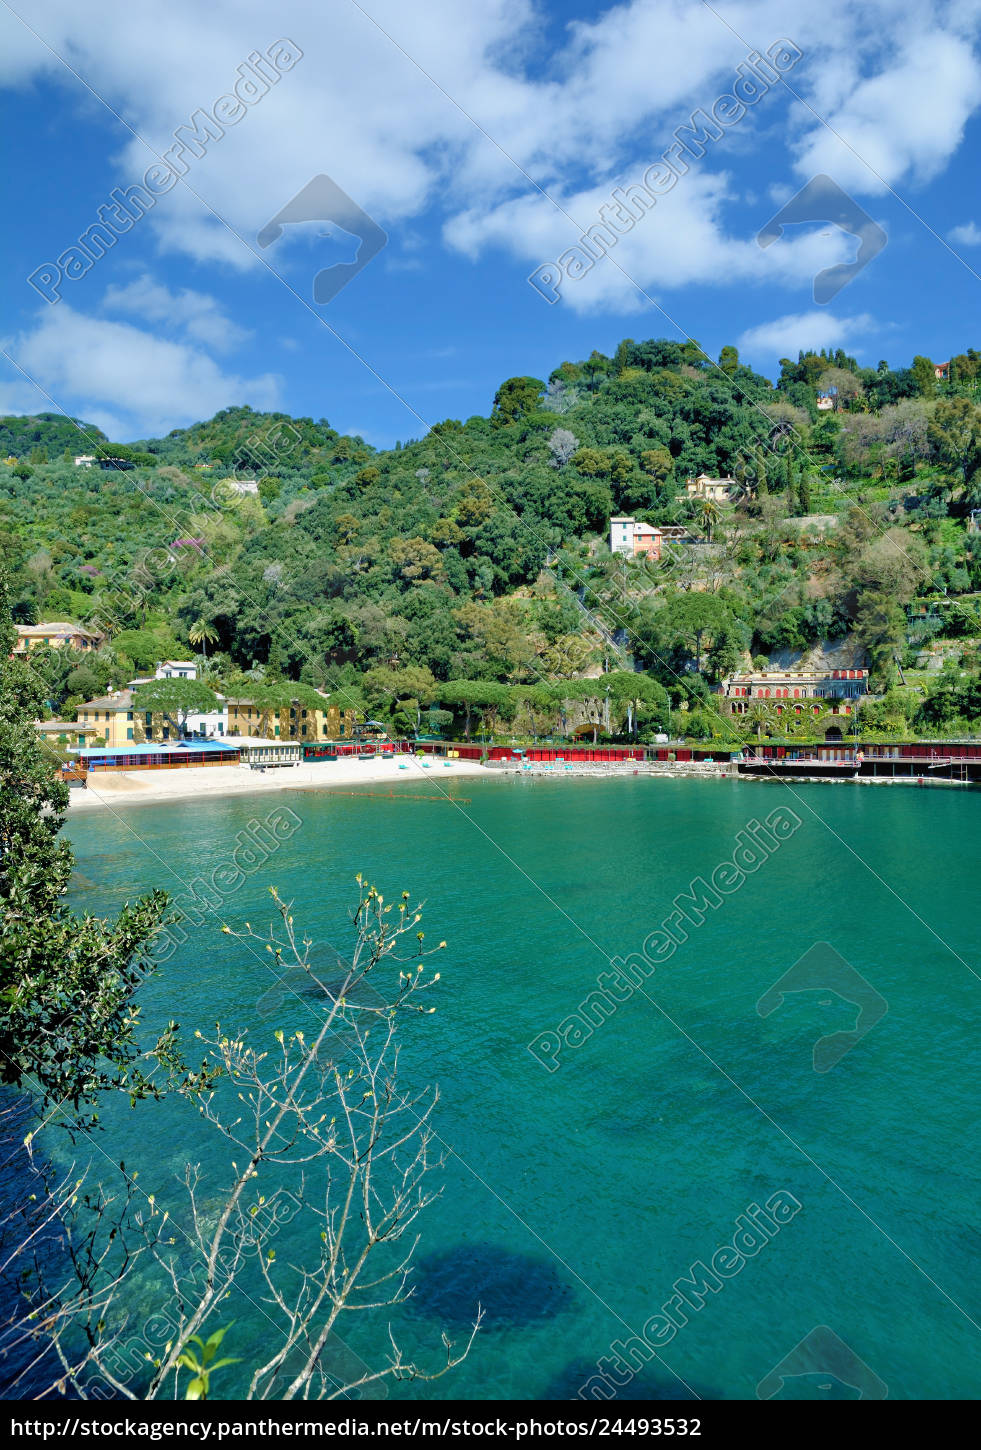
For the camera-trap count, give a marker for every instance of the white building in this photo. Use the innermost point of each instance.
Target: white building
(243, 485)
(208, 724)
(256, 750)
(84, 460)
(622, 535)
(636, 539)
(177, 670)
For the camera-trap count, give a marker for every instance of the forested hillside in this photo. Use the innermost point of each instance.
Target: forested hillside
(468, 572)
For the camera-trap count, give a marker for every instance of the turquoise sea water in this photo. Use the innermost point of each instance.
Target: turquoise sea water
(574, 1199)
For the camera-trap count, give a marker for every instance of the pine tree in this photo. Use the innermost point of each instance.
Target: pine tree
(804, 493)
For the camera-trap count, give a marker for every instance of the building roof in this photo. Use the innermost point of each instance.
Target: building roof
(237, 740)
(65, 727)
(58, 626)
(837, 672)
(122, 700)
(153, 747)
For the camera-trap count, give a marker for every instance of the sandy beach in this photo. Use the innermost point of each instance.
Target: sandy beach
(110, 789)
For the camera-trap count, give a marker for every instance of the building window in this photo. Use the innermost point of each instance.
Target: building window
(129, 733)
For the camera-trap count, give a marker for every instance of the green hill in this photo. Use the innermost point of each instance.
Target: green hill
(480, 552)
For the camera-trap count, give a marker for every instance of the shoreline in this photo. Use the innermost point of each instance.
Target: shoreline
(172, 787)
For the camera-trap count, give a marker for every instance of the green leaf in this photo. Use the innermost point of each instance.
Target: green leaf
(215, 1339)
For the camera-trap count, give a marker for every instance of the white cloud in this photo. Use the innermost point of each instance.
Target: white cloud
(376, 111)
(194, 313)
(681, 240)
(786, 336)
(966, 235)
(902, 122)
(128, 381)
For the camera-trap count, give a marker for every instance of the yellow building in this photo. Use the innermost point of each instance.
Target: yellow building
(117, 721)
(291, 722)
(718, 490)
(75, 733)
(56, 636)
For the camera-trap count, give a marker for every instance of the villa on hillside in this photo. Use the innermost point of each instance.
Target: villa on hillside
(56, 636)
(941, 371)
(635, 539)
(176, 670)
(719, 490)
(789, 691)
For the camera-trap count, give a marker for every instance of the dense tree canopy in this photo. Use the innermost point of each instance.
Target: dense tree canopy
(479, 552)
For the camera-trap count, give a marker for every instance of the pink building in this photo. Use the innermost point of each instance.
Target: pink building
(794, 692)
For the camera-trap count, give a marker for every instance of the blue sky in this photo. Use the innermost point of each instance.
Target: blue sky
(483, 140)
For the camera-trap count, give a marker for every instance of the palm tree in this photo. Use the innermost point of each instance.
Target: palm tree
(760, 716)
(711, 513)
(202, 633)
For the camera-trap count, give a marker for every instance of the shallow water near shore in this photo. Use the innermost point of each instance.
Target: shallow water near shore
(584, 1180)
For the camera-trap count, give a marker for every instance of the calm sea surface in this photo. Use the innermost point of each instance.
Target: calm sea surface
(574, 1199)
